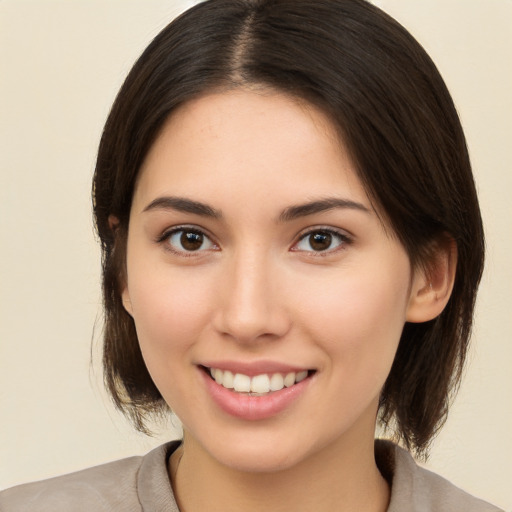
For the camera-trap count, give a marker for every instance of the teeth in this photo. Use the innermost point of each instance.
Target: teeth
(301, 375)
(218, 376)
(276, 382)
(259, 384)
(242, 383)
(228, 380)
(289, 380)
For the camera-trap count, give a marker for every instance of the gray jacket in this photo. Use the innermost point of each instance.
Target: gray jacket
(141, 484)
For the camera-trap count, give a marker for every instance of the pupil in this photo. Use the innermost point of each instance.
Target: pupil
(320, 241)
(191, 241)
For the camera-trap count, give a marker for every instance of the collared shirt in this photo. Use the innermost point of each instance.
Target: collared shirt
(141, 484)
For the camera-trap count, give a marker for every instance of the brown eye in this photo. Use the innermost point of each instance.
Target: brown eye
(321, 240)
(191, 241)
(188, 240)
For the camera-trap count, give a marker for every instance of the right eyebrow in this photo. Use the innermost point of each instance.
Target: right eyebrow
(182, 204)
(318, 206)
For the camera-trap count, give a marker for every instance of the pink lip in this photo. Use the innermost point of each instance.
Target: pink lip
(254, 367)
(253, 408)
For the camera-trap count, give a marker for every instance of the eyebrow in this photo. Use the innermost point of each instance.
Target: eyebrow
(318, 206)
(182, 204)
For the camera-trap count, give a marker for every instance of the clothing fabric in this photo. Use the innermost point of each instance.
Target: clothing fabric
(141, 484)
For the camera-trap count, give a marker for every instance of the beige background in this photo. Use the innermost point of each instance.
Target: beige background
(61, 63)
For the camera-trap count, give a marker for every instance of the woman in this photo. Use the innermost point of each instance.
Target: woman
(291, 245)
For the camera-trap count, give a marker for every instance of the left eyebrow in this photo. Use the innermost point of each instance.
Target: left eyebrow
(182, 204)
(318, 206)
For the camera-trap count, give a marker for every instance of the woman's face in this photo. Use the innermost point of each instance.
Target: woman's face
(255, 254)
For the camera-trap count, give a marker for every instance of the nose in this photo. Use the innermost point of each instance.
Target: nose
(251, 305)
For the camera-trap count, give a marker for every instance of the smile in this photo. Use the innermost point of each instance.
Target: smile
(258, 385)
(255, 391)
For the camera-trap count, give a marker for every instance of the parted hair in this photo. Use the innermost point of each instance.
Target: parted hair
(397, 120)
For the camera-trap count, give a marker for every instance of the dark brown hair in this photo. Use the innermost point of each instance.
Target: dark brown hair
(398, 121)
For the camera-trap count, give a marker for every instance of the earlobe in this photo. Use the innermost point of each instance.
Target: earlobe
(433, 283)
(127, 303)
(113, 222)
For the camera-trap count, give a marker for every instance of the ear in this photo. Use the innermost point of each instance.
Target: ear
(432, 283)
(127, 303)
(113, 223)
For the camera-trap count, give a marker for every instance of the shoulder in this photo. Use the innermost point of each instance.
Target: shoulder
(106, 487)
(118, 485)
(417, 489)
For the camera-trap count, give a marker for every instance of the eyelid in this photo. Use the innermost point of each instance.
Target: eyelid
(167, 233)
(346, 239)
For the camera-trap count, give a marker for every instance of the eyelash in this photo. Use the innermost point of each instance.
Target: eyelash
(343, 238)
(343, 241)
(166, 236)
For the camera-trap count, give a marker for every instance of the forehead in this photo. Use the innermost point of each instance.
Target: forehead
(247, 142)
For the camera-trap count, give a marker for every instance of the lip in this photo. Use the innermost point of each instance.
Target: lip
(254, 368)
(249, 407)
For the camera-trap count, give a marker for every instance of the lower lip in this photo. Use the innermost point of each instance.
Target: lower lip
(253, 408)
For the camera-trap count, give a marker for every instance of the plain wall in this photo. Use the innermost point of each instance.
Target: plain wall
(61, 64)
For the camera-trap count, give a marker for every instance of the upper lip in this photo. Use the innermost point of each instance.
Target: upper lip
(252, 368)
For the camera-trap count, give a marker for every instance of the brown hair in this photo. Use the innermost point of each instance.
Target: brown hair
(398, 121)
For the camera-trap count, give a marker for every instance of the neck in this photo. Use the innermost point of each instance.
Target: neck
(339, 478)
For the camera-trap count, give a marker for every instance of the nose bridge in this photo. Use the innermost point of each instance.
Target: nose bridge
(251, 307)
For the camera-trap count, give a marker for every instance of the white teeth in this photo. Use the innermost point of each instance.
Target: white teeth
(289, 380)
(259, 384)
(218, 376)
(242, 383)
(276, 382)
(301, 375)
(228, 380)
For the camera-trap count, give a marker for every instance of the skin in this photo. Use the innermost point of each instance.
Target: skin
(256, 290)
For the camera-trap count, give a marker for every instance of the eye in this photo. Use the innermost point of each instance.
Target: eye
(321, 240)
(187, 240)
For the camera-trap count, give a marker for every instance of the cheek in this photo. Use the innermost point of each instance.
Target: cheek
(170, 309)
(170, 314)
(358, 319)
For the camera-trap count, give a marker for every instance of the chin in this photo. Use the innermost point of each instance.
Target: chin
(253, 453)
(258, 461)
